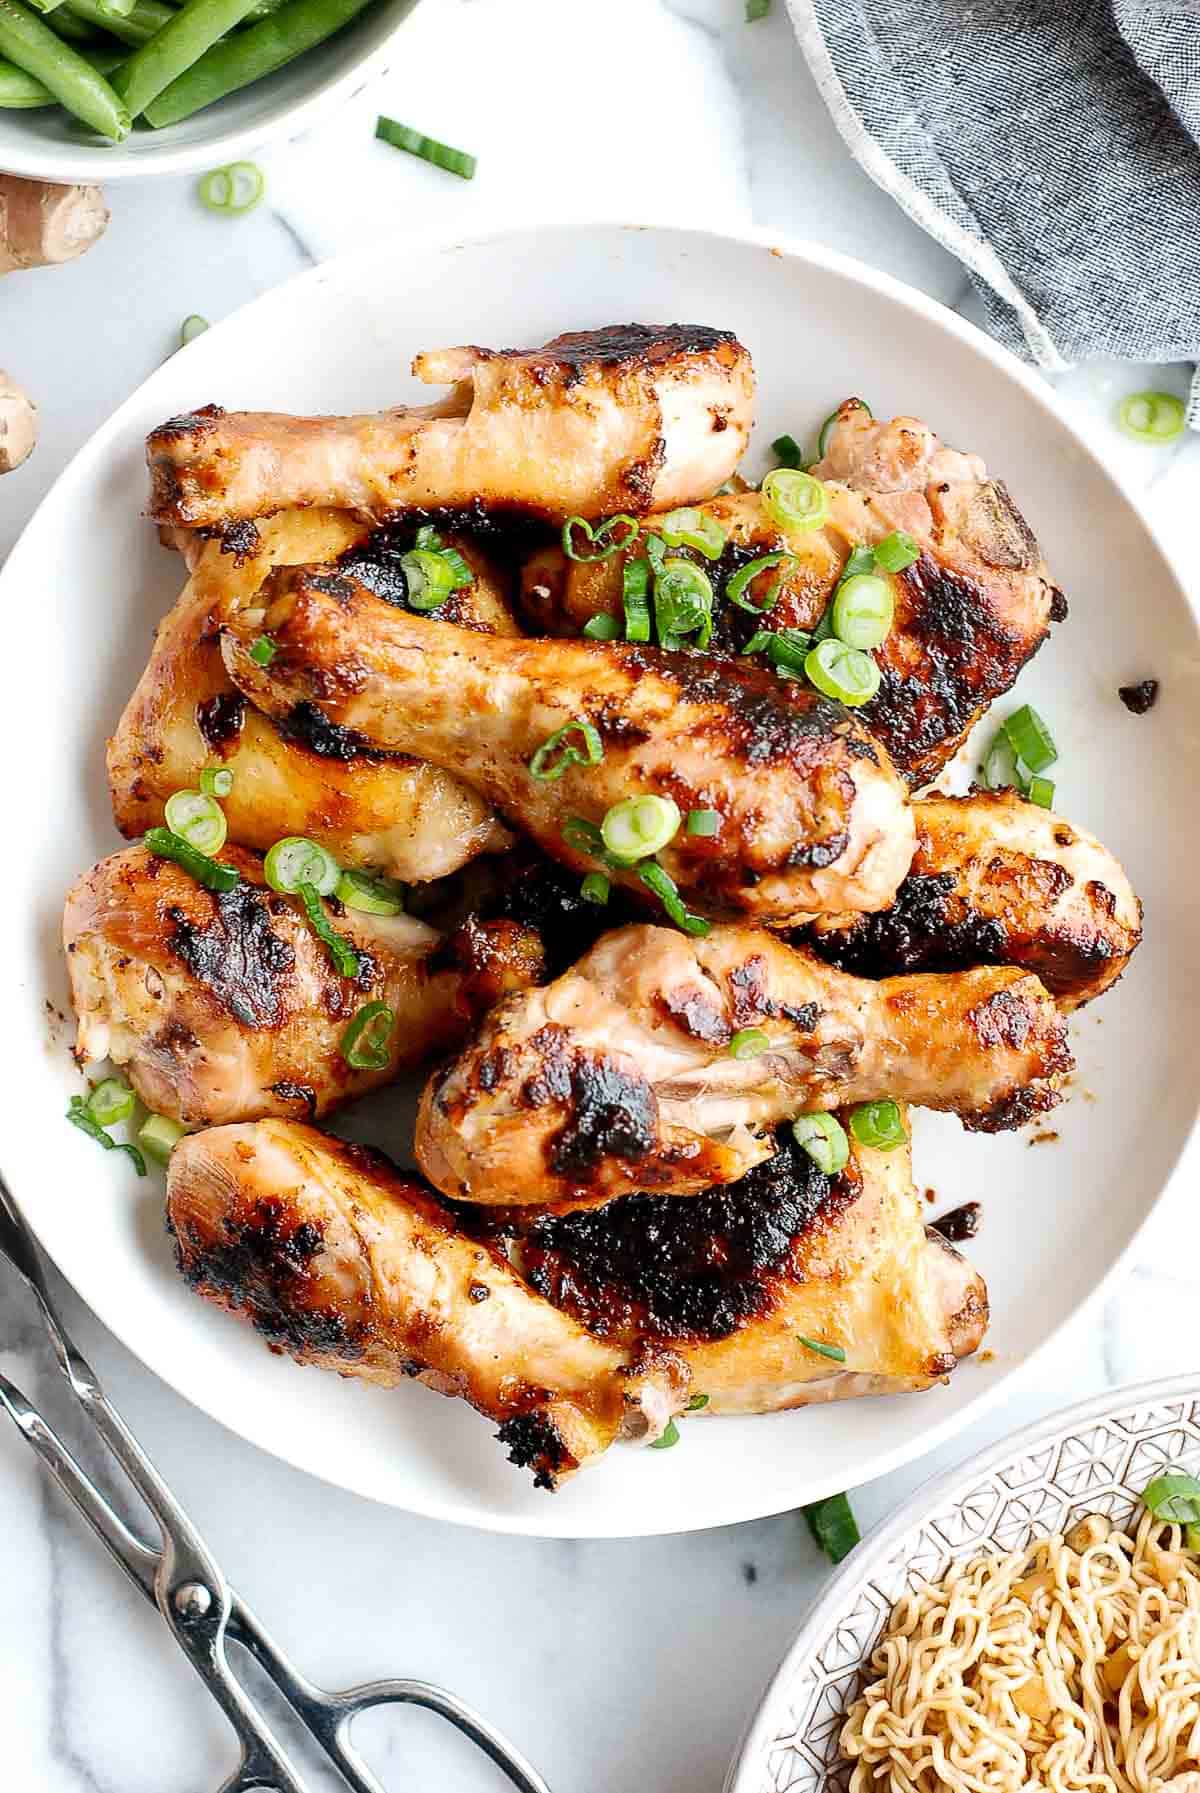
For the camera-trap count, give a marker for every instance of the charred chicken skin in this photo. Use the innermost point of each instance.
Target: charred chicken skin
(339, 1260)
(622, 419)
(737, 1280)
(997, 881)
(225, 1006)
(300, 774)
(813, 817)
(969, 612)
(618, 1076)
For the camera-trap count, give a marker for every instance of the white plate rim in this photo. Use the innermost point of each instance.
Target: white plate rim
(1040, 393)
(879, 1545)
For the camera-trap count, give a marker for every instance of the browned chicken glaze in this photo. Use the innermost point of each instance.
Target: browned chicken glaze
(997, 881)
(813, 816)
(618, 1075)
(969, 613)
(299, 774)
(621, 419)
(226, 1006)
(339, 1260)
(735, 1280)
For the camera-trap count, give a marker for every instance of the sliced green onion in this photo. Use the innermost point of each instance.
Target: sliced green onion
(696, 1403)
(704, 822)
(234, 190)
(824, 1139)
(1174, 1498)
(761, 638)
(842, 672)
(862, 610)
(635, 596)
(788, 451)
(216, 781)
(669, 1438)
(595, 889)
(584, 837)
(604, 539)
(683, 603)
(365, 1042)
(834, 1352)
(429, 577)
(788, 650)
(111, 1101)
(556, 752)
(1000, 765)
(373, 896)
(428, 149)
(689, 527)
(896, 551)
(878, 1125)
(197, 819)
(826, 427)
(736, 592)
(833, 1526)
(749, 1042)
(262, 650)
(214, 874)
(667, 891)
(81, 1116)
(296, 860)
(795, 500)
(1152, 416)
(640, 826)
(1041, 791)
(1030, 739)
(159, 1135)
(656, 550)
(342, 955)
(191, 328)
(606, 628)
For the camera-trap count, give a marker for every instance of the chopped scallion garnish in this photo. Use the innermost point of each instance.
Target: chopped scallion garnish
(635, 596)
(704, 822)
(670, 1437)
(862, 610)
(696, 1403)
(640, 826)
(795, 500)
(197, 819)
(374, 896)
(757, 9)
(296, 860)
(262, 650)
(111, 1101)
(833, 1526)
(788, 452)
(428, 149)
(605, 627)
(234, 189)
(557, 752)
(878, 1125)
(595, 889)
(81, 1116)
(667, 891)
(690, 527)
(610, 537)
(834, 1352)
(736, 591)
(1030, 739)
(683, 603)
(365, 1042)
(748, 1042)
(896, 551)
(214, 874)
(1041, 792)
(823, 1138)
(342, 955)
(216, 781)
(1152, 417)
(191, 328)
(846, 674)
(159, 1135)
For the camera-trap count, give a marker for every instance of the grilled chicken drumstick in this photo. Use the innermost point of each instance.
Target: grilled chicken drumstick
(618, 1075)
(620, 419)
(997, 881)
(969, 612)
(299, 775)
(738, 1280)
(225, 1006)
(343, 1262)
(813, 818)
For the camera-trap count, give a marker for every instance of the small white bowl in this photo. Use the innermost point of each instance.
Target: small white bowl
(46, 145)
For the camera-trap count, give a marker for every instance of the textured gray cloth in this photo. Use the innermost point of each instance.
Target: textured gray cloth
(1052, 145)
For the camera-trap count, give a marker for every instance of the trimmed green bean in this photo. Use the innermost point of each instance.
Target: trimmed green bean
(73, 82)
(172, 51)
(20, 92)
(250, 55)
(135, 27)
(75, 30)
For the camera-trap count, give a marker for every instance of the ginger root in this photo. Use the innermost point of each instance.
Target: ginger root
(41, 224)
(18, 425)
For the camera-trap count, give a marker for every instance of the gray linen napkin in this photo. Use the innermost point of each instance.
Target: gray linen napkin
(1052, 145)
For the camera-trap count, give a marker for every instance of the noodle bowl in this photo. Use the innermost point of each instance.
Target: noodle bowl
(1072, 1665)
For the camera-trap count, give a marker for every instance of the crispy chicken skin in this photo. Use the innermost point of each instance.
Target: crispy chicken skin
(341, 1261)
(733, 1281)
(620, 419)
(617, 1076)
(969, 613)
(226, 1007)
(813, 816)
(299, 775)
(997, 881)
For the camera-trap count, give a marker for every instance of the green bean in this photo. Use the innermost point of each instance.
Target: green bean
(136, 27)
(171, 51)
(68, 26)
(249, 55)
(20, 92)
(73, 82)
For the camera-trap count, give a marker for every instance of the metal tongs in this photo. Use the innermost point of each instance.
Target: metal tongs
(201, 1610)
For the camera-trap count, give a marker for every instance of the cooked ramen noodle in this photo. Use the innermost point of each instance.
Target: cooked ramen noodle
(1072, 1665)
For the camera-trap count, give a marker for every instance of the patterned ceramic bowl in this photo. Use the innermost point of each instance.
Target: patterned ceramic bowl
(1094, 1458)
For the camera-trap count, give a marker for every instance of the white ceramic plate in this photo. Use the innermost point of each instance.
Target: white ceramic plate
(48, 145)
(88, 581)
(1094, 1458)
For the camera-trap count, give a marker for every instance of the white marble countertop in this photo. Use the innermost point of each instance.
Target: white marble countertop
(619, 1667)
